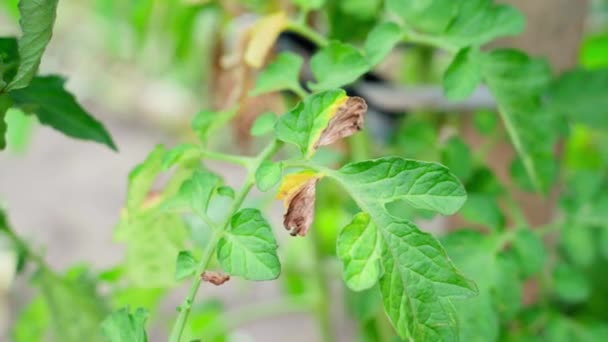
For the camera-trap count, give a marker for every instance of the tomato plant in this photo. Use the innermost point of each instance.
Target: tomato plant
(356, 195)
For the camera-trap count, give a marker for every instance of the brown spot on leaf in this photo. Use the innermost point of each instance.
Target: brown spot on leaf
(347, 121)
(215, 278)
(301, 209)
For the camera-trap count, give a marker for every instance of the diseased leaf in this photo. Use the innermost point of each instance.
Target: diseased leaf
(263, 36)
(123, 326)
(54, 106)
(263, 124)
(37, 19)
(418, 277)
(248, 248)
(298, 192)
(358, 246)
(281, 74)
(517, 83)
(463, 75)
(336, 65)
(215, 278)
(381, 41)
(185, 265)
(268, 175)
(581, 96)
(321, 119)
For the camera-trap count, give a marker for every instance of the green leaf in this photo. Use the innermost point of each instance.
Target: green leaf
(181, 153)
(359, 248)
(54, 106)
(381, 41)
(206, 121)
(594, 51)
(248, 248)
(196, 192)
(9, 60)
(5, 105)
(309, 4)
(529, 251)
(432, 16)
(463, 75)
(578, 244)
(422, 185)
(263, 124)
(483, 209)
(418, 276)
(570, 284)
(363, 305)
(268, 175)
(457, 156)
(37, 19)
(185, 265)
(481, 21)
(281, 74)
(123, 326)
(32, 322)
(336, 65)
(581, 95)
(226, 191)
(517, 83)
(303, 125)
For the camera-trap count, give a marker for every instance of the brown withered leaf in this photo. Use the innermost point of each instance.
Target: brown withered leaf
(215, 278)
(347, 121)
(301, 209)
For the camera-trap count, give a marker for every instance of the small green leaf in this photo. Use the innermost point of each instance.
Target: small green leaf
(185, 265)
(581, 95)
(268, 175)
(570, 284)
(517, 82)
(529, 252)
(463, 75)
(248, 248)
(263, 124)
(432, 16)
(457, 156)
(37, 19)
(179, 154)
(142, 177)
(225, 191)
(578, 244)
(54, 106)
(281, 74)
(381, 41)
(483, 209)
(485, 121)
(336, 65)
(197, 191)
(303, 125)
(206, 121)
(359, 248)
(123, 326)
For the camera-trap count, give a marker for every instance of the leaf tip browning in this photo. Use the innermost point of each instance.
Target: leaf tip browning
(215, 278)
(298, 192)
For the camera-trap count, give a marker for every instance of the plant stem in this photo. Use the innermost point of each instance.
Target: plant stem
(228, 158)
(322, 308)
(180, 324)
(23, 246)
(307, 32)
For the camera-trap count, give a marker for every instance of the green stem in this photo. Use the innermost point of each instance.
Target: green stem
(307, 32)
(322, 308)
(256, 312)
(23, 246)
(180, 324)
(228, 158)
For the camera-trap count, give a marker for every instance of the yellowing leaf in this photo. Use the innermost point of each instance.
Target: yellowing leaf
(263, 35)
(298, 193)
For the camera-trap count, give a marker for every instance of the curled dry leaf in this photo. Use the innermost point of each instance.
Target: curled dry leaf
(347, 121)
(298, 193)
(215, 278)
